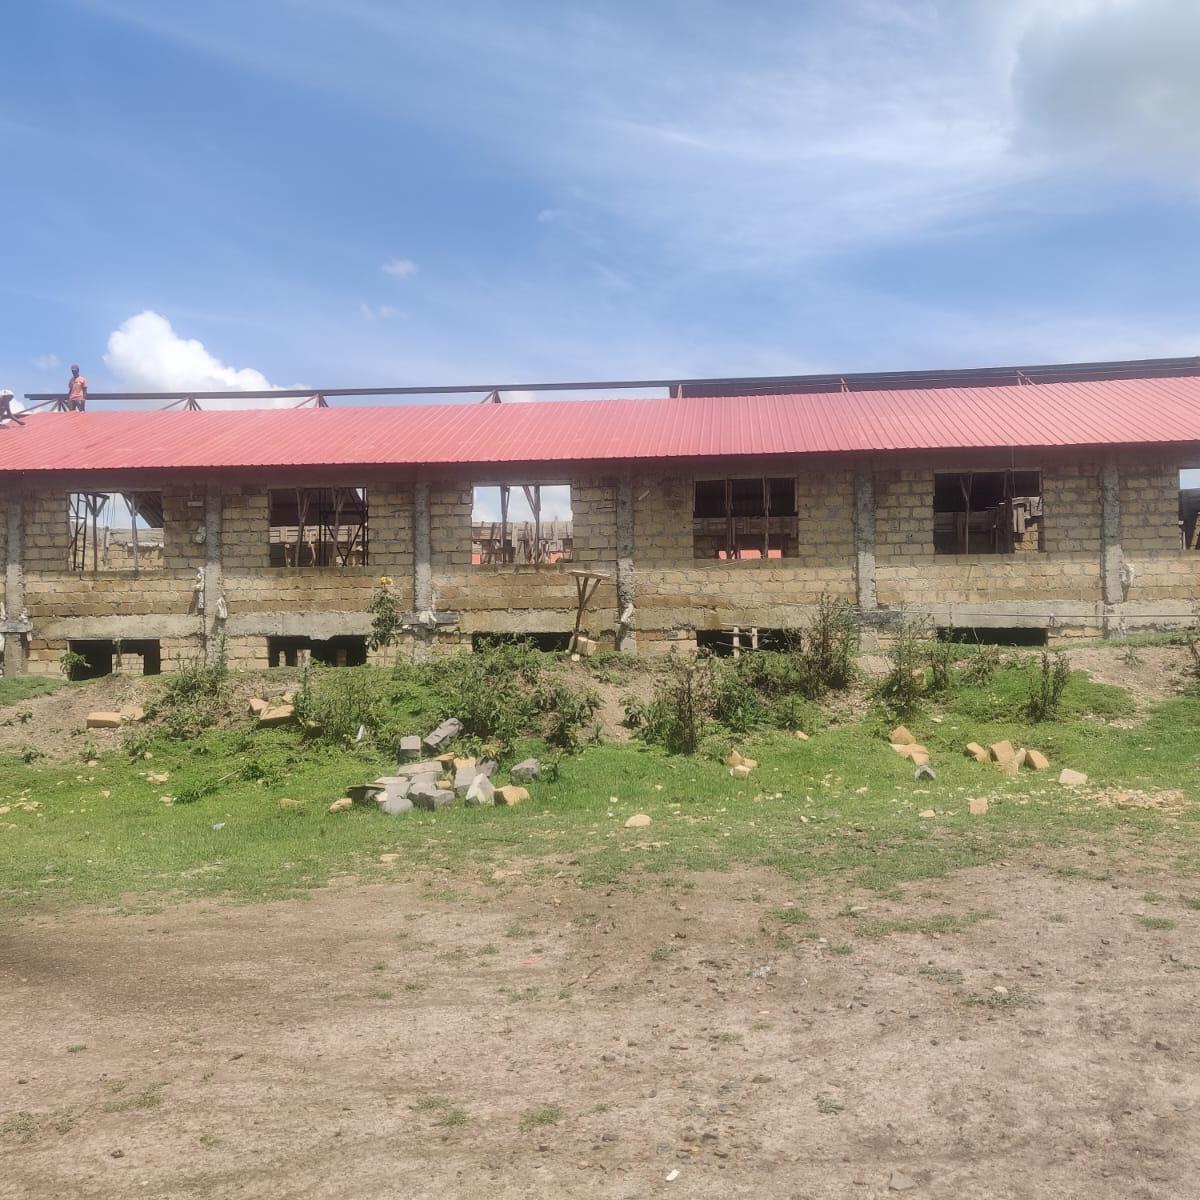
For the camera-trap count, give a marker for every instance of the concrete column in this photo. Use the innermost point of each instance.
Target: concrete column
(15, 658)
(1110, 538)
(213, 627)
(626, 633)
(422, 566)
(864, 538)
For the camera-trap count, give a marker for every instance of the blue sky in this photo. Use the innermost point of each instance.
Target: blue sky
(311, 192)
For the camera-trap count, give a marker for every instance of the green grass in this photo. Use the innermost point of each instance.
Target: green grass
(858, 801)
(15, 688)
(536, 1118)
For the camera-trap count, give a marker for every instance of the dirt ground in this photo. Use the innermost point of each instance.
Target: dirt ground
(500, 1037)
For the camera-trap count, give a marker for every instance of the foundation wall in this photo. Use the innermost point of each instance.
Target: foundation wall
(674, 593)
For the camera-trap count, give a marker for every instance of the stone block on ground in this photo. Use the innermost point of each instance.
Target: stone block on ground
(1035, 760)
(364, 793)
(741, 771)
(510, 795)
(1007, 766)
(637, 821)
(734, 759)
(487, 767)
(526, 771)
(429, 766)
(410, 747)
(1001, 751)
(104, 720)
(258, 706)
(463, 778)
(279, 714)
(801, 736)
(919, 757)
(901, 736)
(133, 713)
(978, 806)
(480, 792)
(1069, 778)
(445, 732)
(976, 751)
(429, 796)
(394, 804)
(341, 804)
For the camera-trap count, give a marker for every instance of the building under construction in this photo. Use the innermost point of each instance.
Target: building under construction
(1032, 503)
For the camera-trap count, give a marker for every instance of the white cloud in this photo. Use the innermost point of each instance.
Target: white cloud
(380, 312)
(146, 355)
(400, 268)
(47, 362)
(1114, 81)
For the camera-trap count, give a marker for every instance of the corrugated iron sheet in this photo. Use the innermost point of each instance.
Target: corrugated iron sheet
(1098, 413)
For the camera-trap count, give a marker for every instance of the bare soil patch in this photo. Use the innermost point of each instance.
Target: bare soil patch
(1153, 673)
(1021, 1031)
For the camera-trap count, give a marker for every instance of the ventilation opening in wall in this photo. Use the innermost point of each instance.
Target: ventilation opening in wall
(345, 650)
(317, 527)
(137, 656)
(527, 523)
(732, 641)
(539, 641)
(1015, 636)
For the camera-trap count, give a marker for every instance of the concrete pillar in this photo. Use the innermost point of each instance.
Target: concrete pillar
(626, 634)
(864, 538)
(422, 566)
(15, 658)
(1110, 539)
(213, 627)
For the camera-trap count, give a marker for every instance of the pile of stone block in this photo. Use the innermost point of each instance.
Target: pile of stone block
(906, 745)
(432, 781)
(277, 708)
(739, 766)
(1008, 759)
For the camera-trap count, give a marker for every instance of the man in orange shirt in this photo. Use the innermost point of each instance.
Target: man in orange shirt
(76, 390)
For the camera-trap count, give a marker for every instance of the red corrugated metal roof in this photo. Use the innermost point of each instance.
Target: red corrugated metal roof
(1097, 413)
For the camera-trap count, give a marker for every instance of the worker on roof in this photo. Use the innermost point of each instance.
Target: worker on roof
(76, 390)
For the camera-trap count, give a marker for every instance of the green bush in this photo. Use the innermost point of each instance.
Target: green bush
(1046, 688)
(901, 688)
(70, 663)
(194, 698)
(683, 704)
(824, 652)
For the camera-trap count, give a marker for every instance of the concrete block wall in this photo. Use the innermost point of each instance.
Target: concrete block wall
(511, 598)
(677, 592)
(1061, 587)
(1162, 577)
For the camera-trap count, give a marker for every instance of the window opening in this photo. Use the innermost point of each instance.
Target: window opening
(115, 531)
(987, 512)
(526, 524)
(318, 527)
(344, 650)
(1189, 509)
(142, 656)
(740, 518)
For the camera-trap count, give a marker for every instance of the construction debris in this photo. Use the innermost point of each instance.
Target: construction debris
(510, 795)
(410, 747)
(104, 720)
(1069, 778)
(481, 792)
(341, 805)
(427, 795)
(445, 732)
(280, 714)
(900, 736)
(527, 771)
(976, 751)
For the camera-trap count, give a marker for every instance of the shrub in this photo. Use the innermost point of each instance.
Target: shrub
(942, 657)
(981, 665)
(900, 689)
(1047, 686)
(70, 663)
(341, 700)
(825, 650)
(682, 705)
(194, 697)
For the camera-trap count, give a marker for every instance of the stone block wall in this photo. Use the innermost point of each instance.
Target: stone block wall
(677, 593)
(1163, 578)
(1060, 588)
